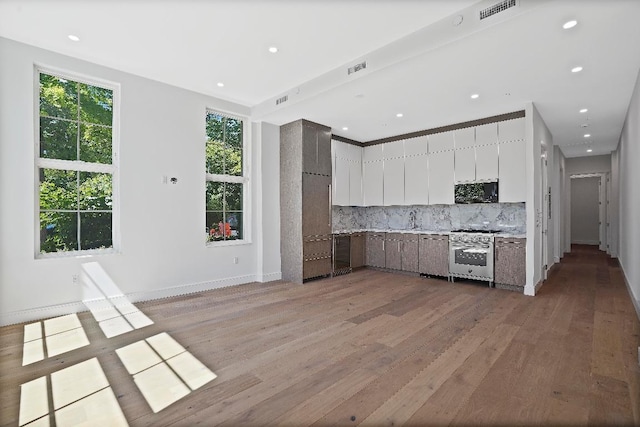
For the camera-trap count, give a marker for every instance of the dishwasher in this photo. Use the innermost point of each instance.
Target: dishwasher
(341, 254)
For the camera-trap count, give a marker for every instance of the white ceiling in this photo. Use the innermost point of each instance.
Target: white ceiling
(418, 62)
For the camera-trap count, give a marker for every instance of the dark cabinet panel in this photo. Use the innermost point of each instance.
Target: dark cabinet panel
(393, 251)
(375, 250)
(510, 261)
(310, 150)
(358, 243)
(316, 208)
(324, 152)
(410, 251)
(434, 254)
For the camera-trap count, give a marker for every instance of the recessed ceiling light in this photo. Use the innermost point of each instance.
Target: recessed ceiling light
(345, 128)
(569, 24)
(220, 84)
(399, 115)
(73, 38)
(584, 110)
(475, 96)
(273, 49)
(576, 69)
(587, 135)
(589, 150)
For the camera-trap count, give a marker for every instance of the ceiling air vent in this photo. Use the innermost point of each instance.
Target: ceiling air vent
(357, 67)
(282, 99)
(497, 8)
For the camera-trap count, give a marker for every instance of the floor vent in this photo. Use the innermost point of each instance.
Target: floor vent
(357, 67)
(497, 8)
(282, 99)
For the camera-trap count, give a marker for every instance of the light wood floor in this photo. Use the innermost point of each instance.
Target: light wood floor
(374, 348)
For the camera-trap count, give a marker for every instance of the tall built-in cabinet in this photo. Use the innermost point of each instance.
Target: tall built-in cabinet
(424, 170)
(305, 200)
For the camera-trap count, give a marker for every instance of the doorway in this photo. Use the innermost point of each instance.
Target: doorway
(588, 210)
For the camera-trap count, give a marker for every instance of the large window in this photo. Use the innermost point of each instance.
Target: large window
(75, 165)
(226, 180)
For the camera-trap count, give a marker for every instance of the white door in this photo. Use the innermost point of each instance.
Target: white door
(441, 178)
(512, 178)
(416, 176)
(394, 182)
(465, 165)
(355, 183)
(372, 179)
(341, 183)
(487, 163)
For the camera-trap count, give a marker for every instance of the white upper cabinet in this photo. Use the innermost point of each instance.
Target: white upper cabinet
(372, 153)
(394, 181)
(465, 165)
(355, 183)
(440, 142)
(511, 130)
(415, 146)
(440, 173)
(393, 150)
(487, 163)
(341, 182)
(512, 183)
(372, 183)
(487, 134)
(416, 176)
(464, 138)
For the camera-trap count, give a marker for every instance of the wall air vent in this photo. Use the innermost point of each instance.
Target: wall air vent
(357, 67)
(497, 8)
(282, 99)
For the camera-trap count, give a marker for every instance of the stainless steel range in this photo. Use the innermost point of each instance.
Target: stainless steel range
(471, 254)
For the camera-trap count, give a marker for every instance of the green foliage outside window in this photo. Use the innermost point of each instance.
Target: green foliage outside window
(224, 210)
(76, 207)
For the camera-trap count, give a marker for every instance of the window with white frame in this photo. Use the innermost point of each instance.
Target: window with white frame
(225, 177)
(75, 164)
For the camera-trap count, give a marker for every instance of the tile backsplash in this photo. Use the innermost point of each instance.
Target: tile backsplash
(506, 217)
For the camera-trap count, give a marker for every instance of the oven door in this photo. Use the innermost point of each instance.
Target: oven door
(474, 261)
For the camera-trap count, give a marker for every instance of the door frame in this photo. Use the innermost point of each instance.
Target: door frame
(603, 200)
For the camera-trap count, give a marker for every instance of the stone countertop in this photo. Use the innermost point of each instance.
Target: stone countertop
(502, 234)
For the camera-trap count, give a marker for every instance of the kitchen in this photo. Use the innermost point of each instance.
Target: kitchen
(446, 202)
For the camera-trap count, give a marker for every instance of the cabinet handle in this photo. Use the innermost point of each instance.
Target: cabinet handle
(398, 245)
(383, 245)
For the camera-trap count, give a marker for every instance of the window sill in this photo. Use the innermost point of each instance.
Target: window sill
(222, 243)
(77, 254)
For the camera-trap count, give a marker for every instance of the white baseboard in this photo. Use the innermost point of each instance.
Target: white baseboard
(636, 302)
(269, 277)
(34, 314)
(586, 242)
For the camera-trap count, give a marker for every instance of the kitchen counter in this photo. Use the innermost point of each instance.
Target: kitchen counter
(502, 234)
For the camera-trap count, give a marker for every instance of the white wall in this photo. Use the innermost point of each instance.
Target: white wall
(585, 211)
(629, 208)
(538, 138)
(163, 252)
(588, 164)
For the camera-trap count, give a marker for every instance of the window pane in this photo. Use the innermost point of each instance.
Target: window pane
(58, 139)
(215, 196)
(58, 97)
(95, 191)
(95, 230)
(95, 144)
(96, 104)
(234, 219)
(58, 189)
(215, 127)
(215, 157)
(233, 147)
(214, 222)
(58, 231)
(233, 197)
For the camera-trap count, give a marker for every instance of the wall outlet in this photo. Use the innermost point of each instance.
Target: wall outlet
(74, 278)
(235, 259)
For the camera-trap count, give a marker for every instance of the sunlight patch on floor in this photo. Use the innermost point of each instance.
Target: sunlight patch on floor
(61, 334)
(163, 370)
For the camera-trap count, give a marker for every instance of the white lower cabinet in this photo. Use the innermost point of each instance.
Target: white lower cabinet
(394, 184)
(512, 180)
(416, 176)
(441, 178)
(372, 179)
